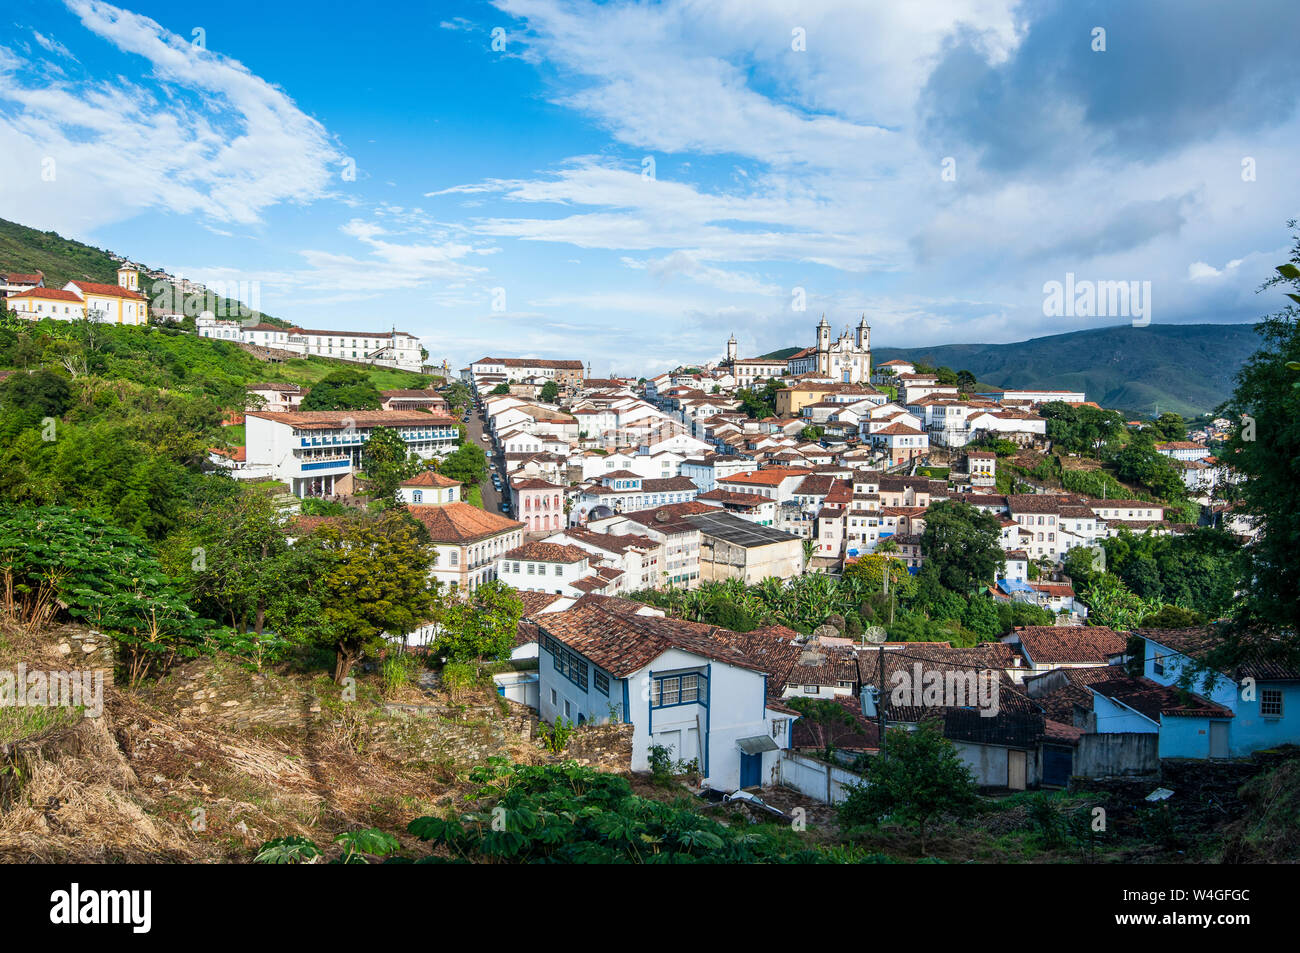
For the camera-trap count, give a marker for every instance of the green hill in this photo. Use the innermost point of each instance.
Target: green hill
(780, 355)
(1187, 368)
(62, 260)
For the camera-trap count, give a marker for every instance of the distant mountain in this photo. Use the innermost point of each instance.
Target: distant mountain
(1187, 368)
(29, 250)
(780, 355)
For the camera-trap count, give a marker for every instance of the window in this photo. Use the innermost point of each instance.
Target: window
(1158, 664)
(685, 689)
(418, 496)
(532, 569)
(602, 683)
(571, 666)
(568, 709)
(455, 558)
(559, 570)
(1270, 703)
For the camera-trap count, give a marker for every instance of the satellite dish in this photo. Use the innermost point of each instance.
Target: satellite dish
(876, 634)
(826, 632)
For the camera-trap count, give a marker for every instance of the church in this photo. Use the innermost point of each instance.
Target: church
(846, 359)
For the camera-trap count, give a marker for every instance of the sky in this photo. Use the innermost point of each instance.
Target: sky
(630, 183)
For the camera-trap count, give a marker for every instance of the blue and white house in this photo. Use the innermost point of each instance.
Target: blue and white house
(682, 688)
(1226, 715)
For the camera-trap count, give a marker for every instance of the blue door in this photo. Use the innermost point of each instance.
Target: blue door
(751, 770)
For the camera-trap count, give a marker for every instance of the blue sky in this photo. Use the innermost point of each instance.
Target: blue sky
(503, 200)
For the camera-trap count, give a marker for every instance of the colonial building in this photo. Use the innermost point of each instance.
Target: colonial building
(314, 451)
(121, 303)
(846, 359)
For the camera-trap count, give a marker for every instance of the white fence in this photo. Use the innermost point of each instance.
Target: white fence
(817, 779)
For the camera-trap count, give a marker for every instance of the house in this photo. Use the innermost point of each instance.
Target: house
(408, 399)
(37, 303)
(539, 503)
(429, 488)
(982, 467)
(316, 452)
(467, 541)
(387, 349)
(1047, 647)
(15, 282)
(275, 397)
(121, 303)
(679, 684)
(735, 548)
(1200, 712)
(544, 567)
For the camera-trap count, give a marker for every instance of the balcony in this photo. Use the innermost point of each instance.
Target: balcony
(341, 465)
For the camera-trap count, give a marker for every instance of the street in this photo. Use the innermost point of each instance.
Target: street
(491, 498)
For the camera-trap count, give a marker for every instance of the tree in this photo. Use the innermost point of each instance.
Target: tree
(502, 388)
(41, 393)
(343, 390)
(467, 463)
(1264, 448)
(966, 381)
(550, 392)
(480, 625)
(458, 396)
(1111, 603)
(99, 575)
(918, 777)
(243, 570)
(377, 582)
(1171, 426)
(962, 543)
(387, 463)
(823, 716)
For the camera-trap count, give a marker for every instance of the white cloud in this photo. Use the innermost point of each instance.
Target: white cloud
(203, 136)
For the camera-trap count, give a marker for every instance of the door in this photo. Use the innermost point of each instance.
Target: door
(1218, 739)
(1016, 770)
(1058, 765)
(751, 770)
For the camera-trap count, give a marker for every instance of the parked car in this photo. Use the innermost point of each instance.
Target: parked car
(485, 438)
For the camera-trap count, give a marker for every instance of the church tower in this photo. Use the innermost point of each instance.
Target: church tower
(823, 345)
(731, 349)
(864, 334)
(128, 278)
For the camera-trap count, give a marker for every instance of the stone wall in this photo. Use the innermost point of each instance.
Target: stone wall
(73, 648)
(606, 747)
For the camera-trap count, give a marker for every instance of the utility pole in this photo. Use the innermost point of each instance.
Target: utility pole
(880, 695)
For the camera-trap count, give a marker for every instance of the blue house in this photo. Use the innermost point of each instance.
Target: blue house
(1199, 712)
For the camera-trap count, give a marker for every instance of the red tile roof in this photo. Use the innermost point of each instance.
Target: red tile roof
(461, 522)
(107, 291)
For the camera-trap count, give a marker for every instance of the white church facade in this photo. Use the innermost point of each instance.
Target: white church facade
(846, 359)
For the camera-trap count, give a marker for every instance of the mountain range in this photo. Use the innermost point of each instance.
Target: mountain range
(1187, 368)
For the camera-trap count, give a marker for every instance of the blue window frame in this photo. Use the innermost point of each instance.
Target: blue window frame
(602, 683)
(681, 688)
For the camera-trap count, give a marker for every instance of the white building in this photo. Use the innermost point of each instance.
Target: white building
(313, 451)
(681, 687)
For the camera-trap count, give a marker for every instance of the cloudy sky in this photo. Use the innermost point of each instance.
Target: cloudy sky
(629, 183)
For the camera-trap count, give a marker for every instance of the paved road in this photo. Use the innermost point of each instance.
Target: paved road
(491, 498)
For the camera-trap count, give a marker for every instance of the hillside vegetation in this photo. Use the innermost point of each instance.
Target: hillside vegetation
(1185, 368)
(29, 250)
